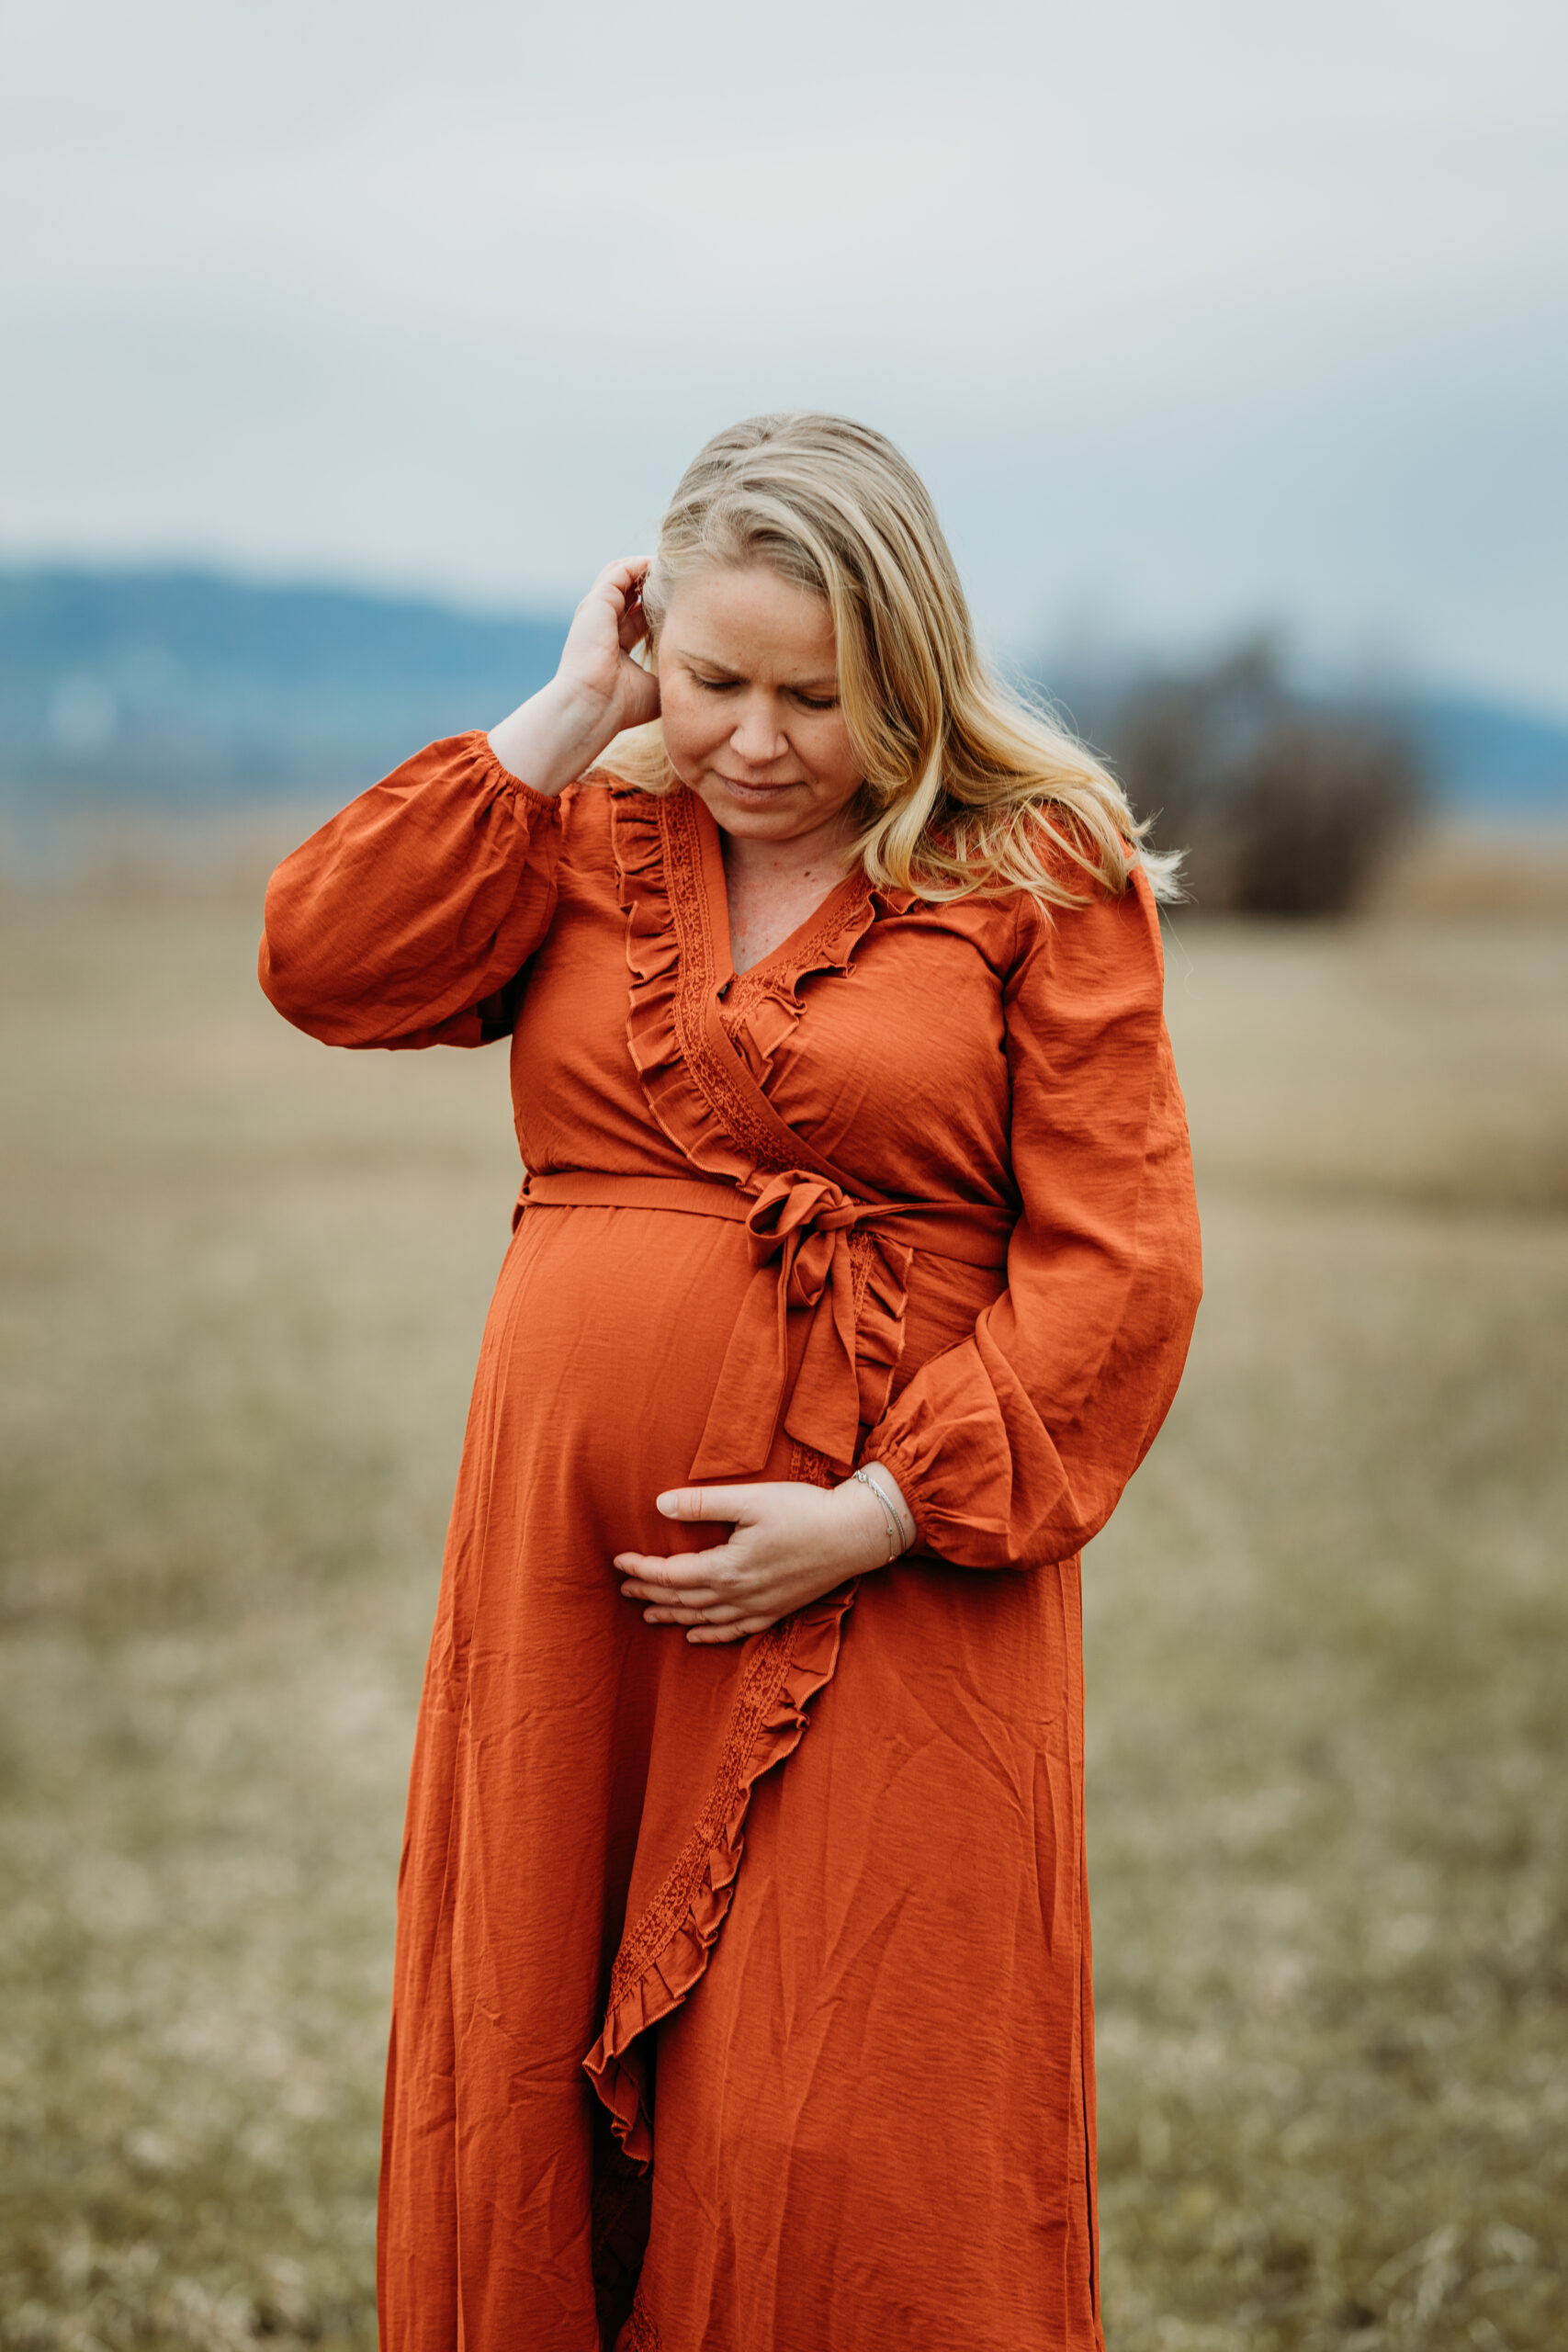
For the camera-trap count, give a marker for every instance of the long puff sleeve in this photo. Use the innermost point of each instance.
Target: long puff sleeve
(1013, 1447)
(403, 920)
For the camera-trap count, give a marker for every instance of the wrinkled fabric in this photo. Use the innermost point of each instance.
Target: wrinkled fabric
(742, 1995)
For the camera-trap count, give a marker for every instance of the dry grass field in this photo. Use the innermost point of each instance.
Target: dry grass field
(244, 1284)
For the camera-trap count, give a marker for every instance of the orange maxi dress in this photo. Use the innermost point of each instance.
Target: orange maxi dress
(742, 1994)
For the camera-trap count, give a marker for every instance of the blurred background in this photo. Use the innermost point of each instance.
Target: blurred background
(344, 345)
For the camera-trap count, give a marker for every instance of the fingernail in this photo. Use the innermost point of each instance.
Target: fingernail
(666, 1503)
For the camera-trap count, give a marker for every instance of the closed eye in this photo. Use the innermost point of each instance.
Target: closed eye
(728, 685)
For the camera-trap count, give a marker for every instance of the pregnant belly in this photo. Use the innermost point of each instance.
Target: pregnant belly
(603, 1349)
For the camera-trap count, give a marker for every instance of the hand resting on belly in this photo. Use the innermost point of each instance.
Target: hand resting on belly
(792, 1543)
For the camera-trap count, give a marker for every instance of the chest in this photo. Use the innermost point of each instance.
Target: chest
(767, 910)
(880, 1034)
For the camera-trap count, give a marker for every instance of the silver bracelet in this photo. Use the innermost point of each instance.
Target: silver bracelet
(896, 1538)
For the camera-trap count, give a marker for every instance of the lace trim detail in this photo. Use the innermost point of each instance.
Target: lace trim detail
(809, 1467)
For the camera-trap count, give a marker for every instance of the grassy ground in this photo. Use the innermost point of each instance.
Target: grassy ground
(244, 1282)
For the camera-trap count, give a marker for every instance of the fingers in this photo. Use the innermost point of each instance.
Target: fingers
(721, 1614)
(616, 595)
(690, 1584)
(620, 584)
(702, 1609)
(696, 1603)
(626, 573)
(634, 619)
(697, 1589)
(733, 1503)
(683, 1573)
(706, 1612)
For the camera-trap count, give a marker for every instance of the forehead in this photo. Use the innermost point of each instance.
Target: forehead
(752, 621)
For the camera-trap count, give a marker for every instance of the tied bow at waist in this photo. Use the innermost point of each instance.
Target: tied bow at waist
(799, 1228)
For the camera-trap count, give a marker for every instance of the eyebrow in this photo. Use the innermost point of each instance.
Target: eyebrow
(797, 685)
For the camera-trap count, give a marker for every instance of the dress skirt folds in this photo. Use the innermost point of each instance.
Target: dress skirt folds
(742, 1994)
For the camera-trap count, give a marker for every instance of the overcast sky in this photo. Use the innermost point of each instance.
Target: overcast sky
(1191, 315)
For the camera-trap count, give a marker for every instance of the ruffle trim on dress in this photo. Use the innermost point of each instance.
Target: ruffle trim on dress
(882, 1275)
(763, 1005)
(668, 964)
(665, 1955)
(676, 964)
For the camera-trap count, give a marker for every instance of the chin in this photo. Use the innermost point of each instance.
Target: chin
(761, 812)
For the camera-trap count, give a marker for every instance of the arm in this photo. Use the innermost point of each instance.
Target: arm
(394, 924)
(1013, 1448)
(403, 920)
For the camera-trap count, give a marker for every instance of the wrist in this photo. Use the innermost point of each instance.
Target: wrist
(882, 1478)
(884, 1498)
(552, 738)
(868, 1521)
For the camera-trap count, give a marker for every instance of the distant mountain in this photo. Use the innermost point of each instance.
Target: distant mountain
(173, 685)
(1485, 759)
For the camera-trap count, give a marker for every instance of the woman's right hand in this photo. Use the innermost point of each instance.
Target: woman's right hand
(597, 690)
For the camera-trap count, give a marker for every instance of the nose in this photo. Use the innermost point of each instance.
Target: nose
(758, 739)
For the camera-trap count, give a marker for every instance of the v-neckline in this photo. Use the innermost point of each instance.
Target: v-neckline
(826, 914)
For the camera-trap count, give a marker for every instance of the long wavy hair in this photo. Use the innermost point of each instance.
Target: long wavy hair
(967, 788)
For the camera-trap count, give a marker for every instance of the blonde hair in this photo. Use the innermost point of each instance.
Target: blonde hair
(967, 788)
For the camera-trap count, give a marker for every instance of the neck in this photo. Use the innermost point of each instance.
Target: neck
(773, 886)
(749, 863)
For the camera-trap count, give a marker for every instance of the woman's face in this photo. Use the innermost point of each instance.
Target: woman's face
(748, 690)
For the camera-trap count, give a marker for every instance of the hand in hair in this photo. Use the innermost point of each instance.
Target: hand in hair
(596, 692)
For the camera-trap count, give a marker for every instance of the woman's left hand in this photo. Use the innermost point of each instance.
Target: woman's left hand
(792, 1543)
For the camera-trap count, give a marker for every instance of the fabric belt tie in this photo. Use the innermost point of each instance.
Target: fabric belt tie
(798, 1229)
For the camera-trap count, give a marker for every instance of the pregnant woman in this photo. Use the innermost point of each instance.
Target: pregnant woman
(743, 1993)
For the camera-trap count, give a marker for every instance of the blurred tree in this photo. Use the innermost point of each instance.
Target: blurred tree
(1284, 808)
